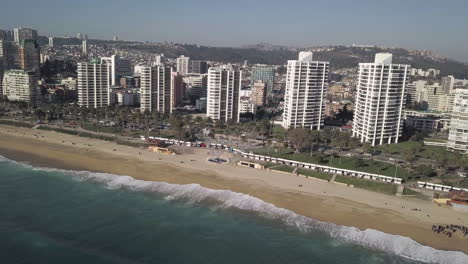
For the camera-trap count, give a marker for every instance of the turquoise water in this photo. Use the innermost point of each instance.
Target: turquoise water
(56, 216)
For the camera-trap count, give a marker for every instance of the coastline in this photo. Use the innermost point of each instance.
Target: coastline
(317, 199)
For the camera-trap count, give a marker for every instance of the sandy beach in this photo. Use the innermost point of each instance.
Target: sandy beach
(317, 199)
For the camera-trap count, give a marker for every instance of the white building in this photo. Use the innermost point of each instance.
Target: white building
(20, 85)
(51, 42)
(247, 106)
(183, 65)
(458, 134)
(119, 67)
(93, 84)
(69, 83)
(156, 89)
(380, 100)
(84, 47)
(223, 94)
(306, 85)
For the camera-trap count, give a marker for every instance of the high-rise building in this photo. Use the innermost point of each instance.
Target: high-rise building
(51, 42)
(177, 90)
(223, 94)
(82, 36)
(21, 34)
(380, 100)
(93, 84)
(259, 93)
(9, 54)
(29, 55)
(306, 86)
(264, 73)
(84, 47)
(2, 71)
(196, 86)
(183, 65)
(156, 89)
(458, 134)
(20, 85)
(447, 84)
(7, 35)
(120, 67)
(200, 67)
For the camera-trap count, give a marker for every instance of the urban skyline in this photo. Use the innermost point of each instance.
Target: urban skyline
(411, 27)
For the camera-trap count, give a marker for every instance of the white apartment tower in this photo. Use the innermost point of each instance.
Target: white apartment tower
(84, 47)
(306, 85)
(183, 65)
(156, 89)
(380, 100)
(223, 94)
(458, 134)
(93, 84)
(20, 85)
(51, 42)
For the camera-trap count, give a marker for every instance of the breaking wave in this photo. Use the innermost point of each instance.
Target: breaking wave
(194, 193)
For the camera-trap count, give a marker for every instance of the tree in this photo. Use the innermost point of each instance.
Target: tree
(410, 157)
(386, 150)
(359, 163)
(299, 137)
(425, 171)
(367, 148)
(39, 113)
(177, 127)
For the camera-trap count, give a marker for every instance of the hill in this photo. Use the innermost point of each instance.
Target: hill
(339, 56)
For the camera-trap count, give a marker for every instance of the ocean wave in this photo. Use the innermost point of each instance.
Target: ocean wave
(194, 193)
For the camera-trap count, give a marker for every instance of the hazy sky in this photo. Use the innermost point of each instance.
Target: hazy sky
(439, 25)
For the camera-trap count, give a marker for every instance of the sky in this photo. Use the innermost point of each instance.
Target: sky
(438, 25)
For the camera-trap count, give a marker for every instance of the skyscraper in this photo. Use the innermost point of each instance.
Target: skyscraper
(447, 84)
(458, 134)
(183, 65)
(29, 55)
(199, 67)
(306, 85)
(259, 93)
(380, 100)
(119, 67)
(264, 73)
(84, 47)
(93, 84)
(24, 34)
(20, 85)
(9, 54)
(177, 90)
(223, 94)
(156, 89)
(51, 42)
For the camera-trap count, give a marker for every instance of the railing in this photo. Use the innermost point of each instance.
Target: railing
(293, 163)
(439, 187)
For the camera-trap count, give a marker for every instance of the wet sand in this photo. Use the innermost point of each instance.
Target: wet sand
(316, 199)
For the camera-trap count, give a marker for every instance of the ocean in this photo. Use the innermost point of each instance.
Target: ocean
(58, 216)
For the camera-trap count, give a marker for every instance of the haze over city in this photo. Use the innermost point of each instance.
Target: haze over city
(418, 24)
(234, 132)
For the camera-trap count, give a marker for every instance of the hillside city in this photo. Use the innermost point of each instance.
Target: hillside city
(388, 111)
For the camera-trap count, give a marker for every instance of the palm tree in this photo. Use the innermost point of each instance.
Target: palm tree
(39, 113)
(83, 113)
(123, 117)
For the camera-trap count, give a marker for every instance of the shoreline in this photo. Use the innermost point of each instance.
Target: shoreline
(317, 199)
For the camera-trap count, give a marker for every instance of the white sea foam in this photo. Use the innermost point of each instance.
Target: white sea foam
(194, 193)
